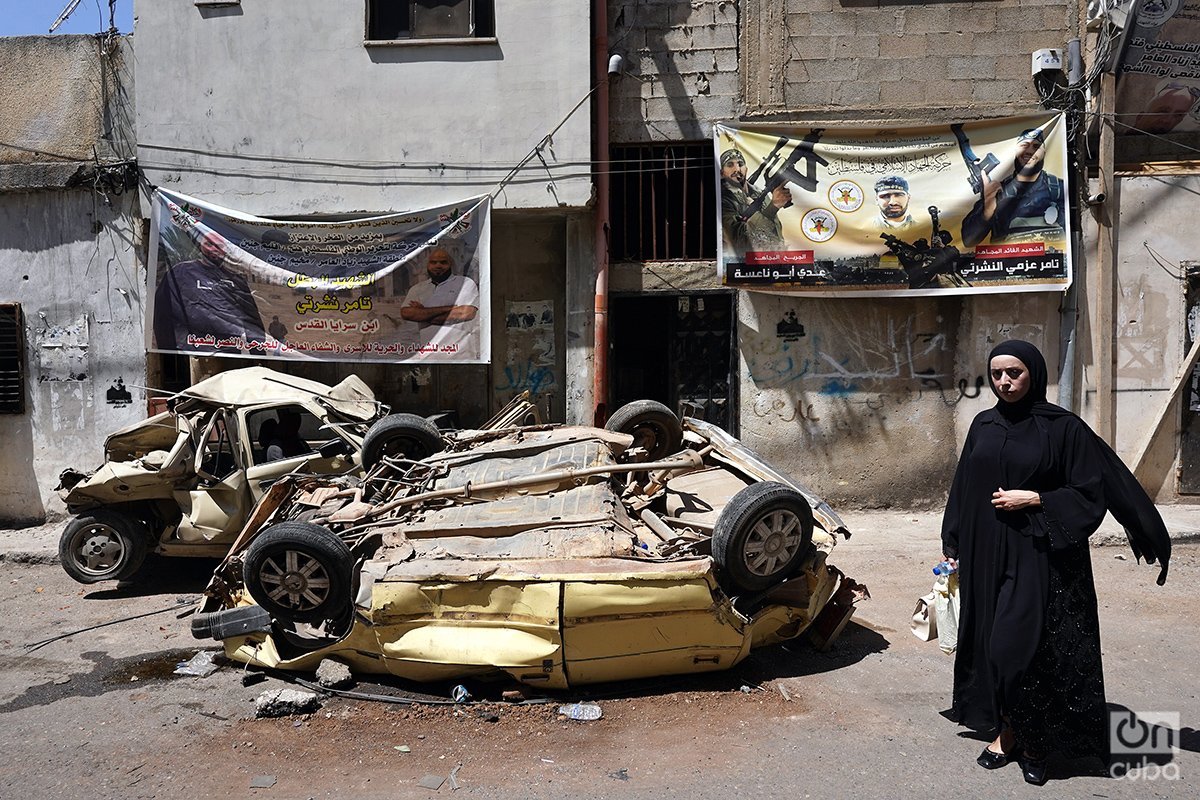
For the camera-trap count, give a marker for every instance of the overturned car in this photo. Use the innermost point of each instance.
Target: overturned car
(557, 555)
(183, 482)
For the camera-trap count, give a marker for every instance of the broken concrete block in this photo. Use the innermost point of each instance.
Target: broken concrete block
(332, 674)
(284, 702)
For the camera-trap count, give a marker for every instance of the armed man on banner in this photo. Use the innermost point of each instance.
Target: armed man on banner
(750, 228)
(1027, 204)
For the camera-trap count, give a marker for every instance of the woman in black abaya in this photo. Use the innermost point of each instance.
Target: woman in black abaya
(1032, 484)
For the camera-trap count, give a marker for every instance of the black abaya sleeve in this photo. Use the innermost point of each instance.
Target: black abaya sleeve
(1074, 510)
(952, 518)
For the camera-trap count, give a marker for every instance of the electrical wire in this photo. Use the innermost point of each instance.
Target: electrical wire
(32, 646)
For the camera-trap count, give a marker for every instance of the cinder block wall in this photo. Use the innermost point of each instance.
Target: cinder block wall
(893, 438)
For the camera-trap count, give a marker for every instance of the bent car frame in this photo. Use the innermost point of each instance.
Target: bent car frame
(183, 482)
(558, 555)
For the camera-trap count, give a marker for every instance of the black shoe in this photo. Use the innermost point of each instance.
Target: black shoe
(990, 759)
(1033, 770)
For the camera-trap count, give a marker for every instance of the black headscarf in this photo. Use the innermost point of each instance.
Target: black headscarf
(1124, 496)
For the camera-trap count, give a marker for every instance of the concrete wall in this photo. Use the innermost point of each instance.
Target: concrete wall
(871, 405)
(67, 256)
(257, 108)
(277, 107)
(1157, 235)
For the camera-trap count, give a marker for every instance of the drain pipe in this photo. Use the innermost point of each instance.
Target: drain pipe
(600, 63)
(1069, 307)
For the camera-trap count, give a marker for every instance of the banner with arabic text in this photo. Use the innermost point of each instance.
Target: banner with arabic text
(948, 209)
(1158, 81)
(401, 287)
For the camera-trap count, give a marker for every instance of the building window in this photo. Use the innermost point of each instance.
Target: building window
(663, 203)
(12, 360)
(393, 20)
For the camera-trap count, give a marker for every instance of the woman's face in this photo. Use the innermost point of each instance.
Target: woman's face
(1010, 376)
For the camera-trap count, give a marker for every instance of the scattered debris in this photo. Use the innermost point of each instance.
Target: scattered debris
(333, 674)
(454, 777)
(745, 689)
(581, 712)
(459, 694)
(512, 695)
(402, 748)
(262, 781)
(433, 782)
(62, 679)
(621, 775)
(783, 691)
(285, 702)
(1120, 557)
(251, 678)
(200, 665)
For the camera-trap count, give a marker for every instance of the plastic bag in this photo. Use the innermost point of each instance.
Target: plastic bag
(924, 618)
(200, 665)
(945, 604)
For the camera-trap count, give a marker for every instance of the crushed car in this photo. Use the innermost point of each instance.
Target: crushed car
(183, 482)
(557, 555)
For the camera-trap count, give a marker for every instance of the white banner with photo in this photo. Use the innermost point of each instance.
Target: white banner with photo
(403, 287)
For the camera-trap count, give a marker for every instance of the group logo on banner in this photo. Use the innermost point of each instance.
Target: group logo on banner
(947, 209)
(390, 288)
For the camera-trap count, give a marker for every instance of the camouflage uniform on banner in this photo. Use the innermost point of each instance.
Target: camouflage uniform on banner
(761, 230)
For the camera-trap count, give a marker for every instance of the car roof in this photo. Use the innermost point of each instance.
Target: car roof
(258, 385)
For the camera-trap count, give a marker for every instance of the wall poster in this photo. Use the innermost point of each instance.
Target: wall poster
(949, 209)
(406, 287)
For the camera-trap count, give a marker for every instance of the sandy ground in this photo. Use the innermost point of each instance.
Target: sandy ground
(100, 714)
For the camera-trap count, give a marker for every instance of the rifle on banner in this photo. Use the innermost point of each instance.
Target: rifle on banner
(779, 171)
(976, 167)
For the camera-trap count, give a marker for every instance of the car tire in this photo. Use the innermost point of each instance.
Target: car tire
(652, 426)
(761, 536)
(401, 436)
(299, 572)
(102, 545)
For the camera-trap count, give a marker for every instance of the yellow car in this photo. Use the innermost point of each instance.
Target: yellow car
(558, 555)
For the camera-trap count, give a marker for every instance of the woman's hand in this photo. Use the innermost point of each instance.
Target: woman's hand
(1015, 499)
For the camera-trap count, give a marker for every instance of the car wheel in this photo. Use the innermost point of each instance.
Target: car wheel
(401, 436)
(652, 425)
(762, 535)
(102, 545)
(299, 572)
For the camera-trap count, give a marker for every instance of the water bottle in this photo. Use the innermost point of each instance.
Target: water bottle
(944, 568)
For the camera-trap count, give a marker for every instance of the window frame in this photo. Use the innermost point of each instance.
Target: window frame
(12, 350)
(410, 40)
(648, 186)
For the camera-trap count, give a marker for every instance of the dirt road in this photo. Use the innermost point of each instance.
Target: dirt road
(100, 714)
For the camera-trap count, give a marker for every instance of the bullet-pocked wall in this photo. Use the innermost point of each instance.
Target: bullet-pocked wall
(254, 107)
(870, 405)
(67, 259)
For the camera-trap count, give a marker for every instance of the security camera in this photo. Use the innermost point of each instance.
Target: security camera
(616, 64)
(1096, 199)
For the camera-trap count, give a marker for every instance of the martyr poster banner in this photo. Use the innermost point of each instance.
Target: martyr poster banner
(409, 287)
(1158, 82)
(950, 209)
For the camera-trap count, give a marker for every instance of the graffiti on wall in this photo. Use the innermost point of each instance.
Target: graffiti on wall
(841, 364)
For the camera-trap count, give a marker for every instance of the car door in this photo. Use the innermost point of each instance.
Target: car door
(215, 509)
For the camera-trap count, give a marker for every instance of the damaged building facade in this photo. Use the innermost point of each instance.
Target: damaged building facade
(71, 351)
(608, 111)
(872, 397)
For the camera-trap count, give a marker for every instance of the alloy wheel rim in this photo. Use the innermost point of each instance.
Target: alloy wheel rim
(772, 542)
